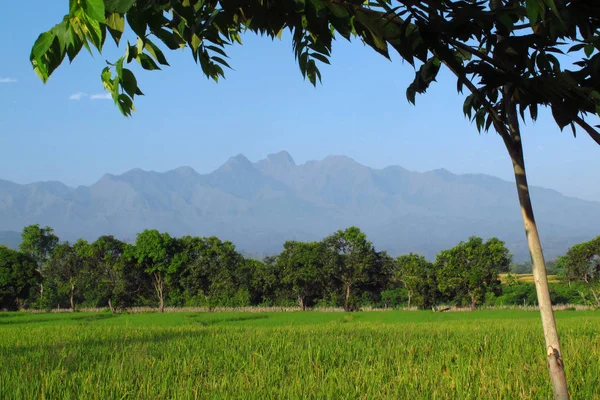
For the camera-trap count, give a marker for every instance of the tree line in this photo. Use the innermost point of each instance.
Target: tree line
(343, 269)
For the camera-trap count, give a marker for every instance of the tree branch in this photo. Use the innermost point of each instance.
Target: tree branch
(588, 128)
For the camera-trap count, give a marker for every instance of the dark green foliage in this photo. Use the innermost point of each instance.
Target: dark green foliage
(418, 277)
(18, 278)
(466, 272)
(582, 264)
(353, 263)
(302, 267)
(343, 269)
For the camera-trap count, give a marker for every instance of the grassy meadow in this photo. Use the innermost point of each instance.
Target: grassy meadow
(286, 355)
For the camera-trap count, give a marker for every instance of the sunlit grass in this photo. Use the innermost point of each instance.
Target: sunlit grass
(482, 354)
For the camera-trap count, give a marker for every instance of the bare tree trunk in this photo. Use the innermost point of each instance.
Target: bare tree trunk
(159, 287)
(71, 299)
(595, 296)
(347, 298)
(473, 302)
(71, 295)
(555, 362)
(301, 303)
(110, 307)
(409, 298)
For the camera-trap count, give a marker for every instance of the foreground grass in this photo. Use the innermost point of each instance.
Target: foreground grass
(482, 354)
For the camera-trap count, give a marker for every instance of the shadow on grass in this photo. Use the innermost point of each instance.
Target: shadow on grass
(70, 354)
(209, 322)
(48, 318)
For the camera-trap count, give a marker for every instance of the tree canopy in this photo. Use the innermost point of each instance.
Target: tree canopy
(495, 48)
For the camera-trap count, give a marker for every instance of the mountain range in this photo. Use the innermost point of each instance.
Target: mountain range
(260, 205)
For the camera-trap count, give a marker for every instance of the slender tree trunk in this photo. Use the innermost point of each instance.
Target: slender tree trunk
(409, 298)
(110, 307)
(301, 303)
(595, 296)
(473, 302)
(347, 298)
(159, 287)
(555, 362)
(71, 293)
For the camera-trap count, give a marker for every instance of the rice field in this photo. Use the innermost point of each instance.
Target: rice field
(528, 278)
(491, 354)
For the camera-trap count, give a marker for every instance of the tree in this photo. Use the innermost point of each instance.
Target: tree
(302, 267)
(38, 243)
(213, 272)
(17, 277)
(108, 278)
(582, 263)
(469, 270)
(350, 260)
(154, 253)
(417, 275)
(501, 52)
(64, 272)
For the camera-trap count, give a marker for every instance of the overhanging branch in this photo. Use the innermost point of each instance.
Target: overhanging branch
(589, 129)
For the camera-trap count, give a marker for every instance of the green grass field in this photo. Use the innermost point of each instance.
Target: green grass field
(317, 355)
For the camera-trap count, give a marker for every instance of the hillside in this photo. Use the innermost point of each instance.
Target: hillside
(259, 205)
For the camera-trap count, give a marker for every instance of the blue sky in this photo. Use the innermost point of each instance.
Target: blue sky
(262, 106)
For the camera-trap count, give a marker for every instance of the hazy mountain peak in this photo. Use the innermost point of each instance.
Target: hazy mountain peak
(237, 161)
(260, 205)
(340, 159)
(185, 170)
(281, 158)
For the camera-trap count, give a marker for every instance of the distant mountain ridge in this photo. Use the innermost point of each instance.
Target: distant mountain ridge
(260, 205)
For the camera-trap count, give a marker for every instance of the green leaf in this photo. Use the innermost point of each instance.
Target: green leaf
(42, 44)
(533, 11)
(411, 93)
(147, 62)
(155, 52)
(41, 63)
(125, 104)
(171, 40)
(320, 57)
(131, 52)
(221, 61)
(506, 20)
(589, 49)
(195, 42)
(129, 82)
(216, 50)
(95, 32)
(107, 79)
(118, 6)
(116, 26)
(94, 9)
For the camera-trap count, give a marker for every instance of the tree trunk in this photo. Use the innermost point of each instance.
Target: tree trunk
(347, 298)
(159, 287)
(409, 298)
(473, 302)
(595, 296)
(110, 307)
(301, 303)
(71, 295)
(555, 362)
(71, 299)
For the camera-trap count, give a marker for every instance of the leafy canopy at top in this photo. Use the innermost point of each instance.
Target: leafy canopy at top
(497, 49)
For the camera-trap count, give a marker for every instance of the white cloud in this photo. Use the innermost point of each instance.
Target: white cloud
(8, 80)
(101, 96)
(77, 96)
